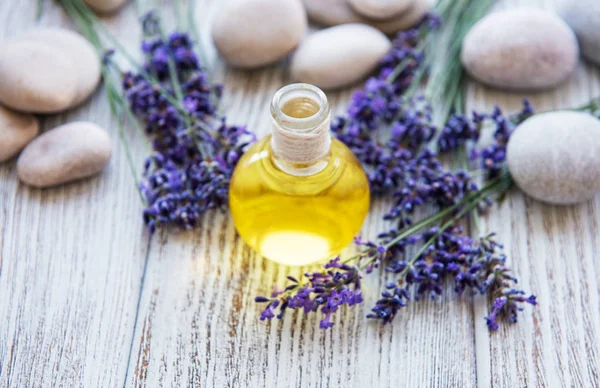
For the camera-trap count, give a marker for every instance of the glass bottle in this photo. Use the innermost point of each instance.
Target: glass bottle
(299, 196)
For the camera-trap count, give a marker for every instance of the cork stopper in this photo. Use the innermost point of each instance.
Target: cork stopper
(301, 120)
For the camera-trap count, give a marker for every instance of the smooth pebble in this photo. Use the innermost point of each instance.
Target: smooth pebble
(79, 50)
(336, 12)
(555, 157)
(407, 19)
(520, 49)
(380, 9)
(36, 77)
(584, 18)
(254, 33)
(16, 130)
(103, 6)
(63, 154)
(339, 56)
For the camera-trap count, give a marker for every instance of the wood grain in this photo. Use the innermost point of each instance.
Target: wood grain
(72, 256)
(87, 300)
(552, 251)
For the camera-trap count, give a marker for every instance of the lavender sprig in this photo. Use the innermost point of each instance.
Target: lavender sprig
(195, 151)
(384, 102)
(445, 252)
(337, 285)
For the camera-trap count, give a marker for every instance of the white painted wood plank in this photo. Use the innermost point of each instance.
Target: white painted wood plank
(199, 324)
(69, 299)
(553, 251)
(72, 257)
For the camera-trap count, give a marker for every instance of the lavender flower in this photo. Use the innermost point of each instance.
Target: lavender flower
(337, 285)
(195, 150)
(493, 157)
(380, 103)
(401, 162)
(391, 302)
(457, 131)
(472, 264)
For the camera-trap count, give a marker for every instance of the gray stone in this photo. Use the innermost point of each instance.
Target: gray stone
(555, 157)
(105, 6)
(520, 49)
(36, 77)
(339, 56)
(380, 9)
(336, 12)
(584, 18)
(63, 154)
(16, 130)
(79, 50)
(254, 33)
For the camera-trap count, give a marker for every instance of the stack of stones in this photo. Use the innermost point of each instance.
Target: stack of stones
(47, 71)
(532, 49)
(254, 33)
(553, 157)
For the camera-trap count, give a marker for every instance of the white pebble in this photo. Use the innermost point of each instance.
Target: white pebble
(104, 6)
(555, 157)
(254, 33)
(16, 130)
(63, 154)
(584, 17)
(332, 12)
(36, 77)
(380, 9)
(339, 56)
(336, 12)
(79, 50)
(520, 49)
(407, 19)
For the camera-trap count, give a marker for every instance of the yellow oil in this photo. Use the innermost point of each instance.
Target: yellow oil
(298, 220)
(300, 108)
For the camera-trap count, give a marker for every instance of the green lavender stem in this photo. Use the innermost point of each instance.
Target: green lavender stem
(467, 205)
(115, 99)
(91, 19)
(502, 182)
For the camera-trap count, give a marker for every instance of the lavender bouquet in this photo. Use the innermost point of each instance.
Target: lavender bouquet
(171, 101)
(421, 253)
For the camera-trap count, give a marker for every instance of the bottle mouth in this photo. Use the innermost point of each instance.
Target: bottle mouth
(301, 137)
(299, 107)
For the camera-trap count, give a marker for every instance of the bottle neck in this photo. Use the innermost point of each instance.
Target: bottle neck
(301, 138)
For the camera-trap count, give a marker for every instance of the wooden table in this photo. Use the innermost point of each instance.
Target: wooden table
(87, 299)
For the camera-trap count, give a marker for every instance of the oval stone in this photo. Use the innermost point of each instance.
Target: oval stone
(339, 56)
(380, 9)
(584, 18)
(103, 6)
(63, 154)
(254, 33)
(336, 12)
(555, 157)
(332, 12)
(36, 77)
(520, 49)
(16, 130)
(407, 19)
(79, 50)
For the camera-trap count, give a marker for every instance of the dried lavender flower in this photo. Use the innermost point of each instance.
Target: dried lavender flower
(338, 284)
(402, 163)
(195, 150)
